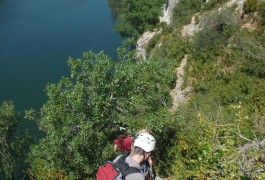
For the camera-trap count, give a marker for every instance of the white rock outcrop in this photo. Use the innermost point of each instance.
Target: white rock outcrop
(190, 29)
(142, 44)
(168, 11)
(178, 94)
(144, 39)
(239, 6)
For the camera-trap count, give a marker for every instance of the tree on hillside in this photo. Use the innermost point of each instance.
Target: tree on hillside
(138, 16)
(77, 119)
(83, 112)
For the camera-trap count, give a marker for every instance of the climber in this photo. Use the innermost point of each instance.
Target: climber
(143, 146)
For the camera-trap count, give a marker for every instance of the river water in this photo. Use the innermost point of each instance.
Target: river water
(36, 39)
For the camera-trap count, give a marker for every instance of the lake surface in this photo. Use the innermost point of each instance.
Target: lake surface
(38, 36)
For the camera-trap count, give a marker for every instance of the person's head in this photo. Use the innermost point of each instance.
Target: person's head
(144, 144)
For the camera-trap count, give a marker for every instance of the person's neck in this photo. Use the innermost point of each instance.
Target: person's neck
(138, 158)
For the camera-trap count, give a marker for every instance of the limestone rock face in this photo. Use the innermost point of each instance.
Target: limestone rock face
(142, 43)
(190, 29)
(178, 94)
(239, 6)
(144, 39)
(168, 11)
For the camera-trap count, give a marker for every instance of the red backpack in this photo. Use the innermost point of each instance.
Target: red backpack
(115, 171)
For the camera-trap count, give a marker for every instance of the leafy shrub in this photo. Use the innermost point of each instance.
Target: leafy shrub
(74, 118)
(252, 6)
(250, 49)
(212, 4)
(173, 48)
(216, 29)
(184, 10)
(152, 43)
(209, 138)
(84, 111)
(137, 17)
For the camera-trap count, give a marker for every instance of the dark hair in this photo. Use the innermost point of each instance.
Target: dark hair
(138, 150)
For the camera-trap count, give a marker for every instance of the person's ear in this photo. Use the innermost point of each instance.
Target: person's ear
(147, 154)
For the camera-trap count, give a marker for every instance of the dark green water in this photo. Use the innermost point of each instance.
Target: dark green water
(38, 36)
(36, 39)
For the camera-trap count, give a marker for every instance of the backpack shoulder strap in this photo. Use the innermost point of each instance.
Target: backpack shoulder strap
(130, 171)
(124, 167)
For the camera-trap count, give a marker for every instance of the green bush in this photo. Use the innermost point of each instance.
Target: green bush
(252, 6)
(173, 48)
(250, 49)
(212, 4)
(152, 43)
(136, 17)
(216, 29)
(184, 10)
(84, 111)
(207, 142)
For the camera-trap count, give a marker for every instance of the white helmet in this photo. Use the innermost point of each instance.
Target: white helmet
(145, 141)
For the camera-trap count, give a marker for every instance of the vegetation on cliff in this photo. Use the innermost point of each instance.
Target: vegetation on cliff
(220, 131)
(135, 17)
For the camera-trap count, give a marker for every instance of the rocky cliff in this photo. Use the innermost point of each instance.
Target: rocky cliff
(168, 11)
(144, 39)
